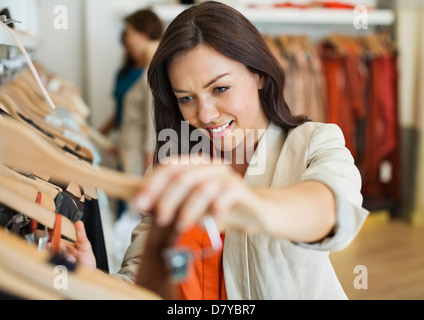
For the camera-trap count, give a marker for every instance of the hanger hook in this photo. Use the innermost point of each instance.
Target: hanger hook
(4, 19)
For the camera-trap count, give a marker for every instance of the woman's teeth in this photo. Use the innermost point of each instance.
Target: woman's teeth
(220, 129)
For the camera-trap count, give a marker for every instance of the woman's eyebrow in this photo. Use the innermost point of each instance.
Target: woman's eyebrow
(206, 85)
(215, 80)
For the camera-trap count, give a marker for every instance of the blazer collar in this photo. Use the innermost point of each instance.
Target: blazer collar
(262, 165)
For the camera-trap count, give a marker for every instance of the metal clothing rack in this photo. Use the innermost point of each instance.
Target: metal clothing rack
(285, 16)
(12, 61)
(316, 22)
(26, 46)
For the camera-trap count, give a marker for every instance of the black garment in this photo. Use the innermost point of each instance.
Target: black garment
(67, 206)
(92, 222)
(94, 229)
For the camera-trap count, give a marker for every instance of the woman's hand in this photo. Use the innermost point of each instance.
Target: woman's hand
(304, 212)
(193, 190)
(81, 250)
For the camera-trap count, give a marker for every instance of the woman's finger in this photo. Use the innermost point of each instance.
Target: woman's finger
(167, 189)
(85, 253)
(198, 204)
(180, 189)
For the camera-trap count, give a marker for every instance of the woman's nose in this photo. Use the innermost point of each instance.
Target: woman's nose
(207, 111)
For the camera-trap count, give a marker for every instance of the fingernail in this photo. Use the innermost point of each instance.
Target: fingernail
(70, 258)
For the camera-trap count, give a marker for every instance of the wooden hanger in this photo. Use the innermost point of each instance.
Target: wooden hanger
(41, 185)
(68, 93)
(387, 41)
(17, 108)
(10, 108)
(67, 99)
(8, 105)
(29, 99)
(284, 42)
(334, 42)
(20, 148)
(34, 211)
(26, 83)
(372, 43)
(33, 273)
(275, 50)
(22, 288)
(28, 192)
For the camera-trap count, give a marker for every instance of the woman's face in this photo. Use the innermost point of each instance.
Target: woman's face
(135, 42)
(219, 95)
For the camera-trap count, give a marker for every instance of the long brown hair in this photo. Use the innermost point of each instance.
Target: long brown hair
(228, 32)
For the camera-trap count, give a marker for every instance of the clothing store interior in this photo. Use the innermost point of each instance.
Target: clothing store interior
(77, 136)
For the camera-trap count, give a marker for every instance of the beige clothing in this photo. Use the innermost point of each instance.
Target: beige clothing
(261, 267)
(137, 133)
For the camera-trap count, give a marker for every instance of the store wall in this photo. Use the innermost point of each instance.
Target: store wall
(103, 52)
(61, 33)
(104, 55)
(410, 34)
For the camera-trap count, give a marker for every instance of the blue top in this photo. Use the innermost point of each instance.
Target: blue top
(124, 82)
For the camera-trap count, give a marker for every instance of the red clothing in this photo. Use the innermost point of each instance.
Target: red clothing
(205, 280)
(382, 130)
(345, 92)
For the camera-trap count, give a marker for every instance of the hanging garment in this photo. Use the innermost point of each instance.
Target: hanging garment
(94, 229)
(206, 279)
(345, 84)
(381, 165)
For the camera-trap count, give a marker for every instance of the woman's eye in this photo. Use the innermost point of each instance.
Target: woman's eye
(221, 89)
(184, 100)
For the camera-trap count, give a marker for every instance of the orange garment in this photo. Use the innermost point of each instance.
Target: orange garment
(345, 82)
(205, 280)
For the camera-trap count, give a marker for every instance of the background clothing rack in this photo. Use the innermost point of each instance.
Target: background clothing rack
(64, 127)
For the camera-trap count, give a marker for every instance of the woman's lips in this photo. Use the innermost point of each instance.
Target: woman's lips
(220, 131)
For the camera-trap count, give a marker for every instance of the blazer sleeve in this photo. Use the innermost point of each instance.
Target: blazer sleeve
(330, 162)
(131, 260)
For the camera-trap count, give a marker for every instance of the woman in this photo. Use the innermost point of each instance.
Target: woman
(280, 208)
(131, 119)
(141, 28)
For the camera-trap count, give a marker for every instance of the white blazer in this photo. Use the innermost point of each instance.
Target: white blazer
(262, 267)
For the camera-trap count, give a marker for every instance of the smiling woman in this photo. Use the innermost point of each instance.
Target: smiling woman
(213, 73)
(233, 41)
(226, 105)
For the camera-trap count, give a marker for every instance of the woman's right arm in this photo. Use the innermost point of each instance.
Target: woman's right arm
(131, 260)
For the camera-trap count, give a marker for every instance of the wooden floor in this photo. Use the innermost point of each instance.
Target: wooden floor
(393, 254)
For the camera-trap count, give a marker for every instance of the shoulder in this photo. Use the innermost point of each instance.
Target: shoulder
(312, 135)
(311, 129)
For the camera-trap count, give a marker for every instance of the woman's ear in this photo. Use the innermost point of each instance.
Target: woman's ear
(260, 80)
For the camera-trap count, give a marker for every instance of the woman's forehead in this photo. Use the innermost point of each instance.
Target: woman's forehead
(203, 60)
